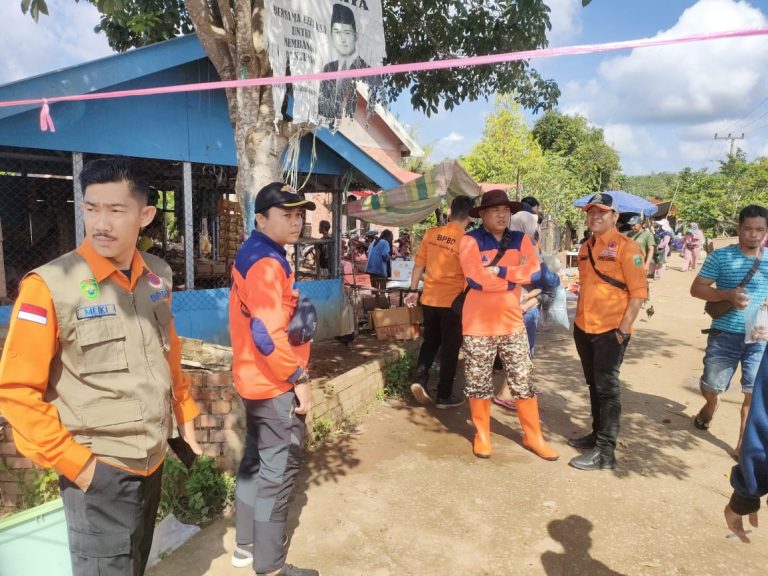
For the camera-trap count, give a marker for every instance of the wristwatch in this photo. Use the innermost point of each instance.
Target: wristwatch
(623, 335)
(303, 379)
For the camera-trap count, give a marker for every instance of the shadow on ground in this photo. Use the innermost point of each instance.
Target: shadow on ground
(573, 534)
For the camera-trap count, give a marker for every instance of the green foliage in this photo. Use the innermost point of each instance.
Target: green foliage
(397, 375)
(593, 162)
(195, 496)
(715, 199)
(507, 152)
(35, 486)
(661, 185)
(415, 30)
(321, 429)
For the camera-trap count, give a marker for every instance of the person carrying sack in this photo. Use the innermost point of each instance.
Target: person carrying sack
(492, 320)
(734, 282)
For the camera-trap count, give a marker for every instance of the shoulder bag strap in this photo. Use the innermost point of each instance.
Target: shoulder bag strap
(752, 271)
(604, 277)
(503, 245)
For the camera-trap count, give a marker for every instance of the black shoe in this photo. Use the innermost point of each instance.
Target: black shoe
(584, 443)
(450, 402)
(594, 460)
(290, 570)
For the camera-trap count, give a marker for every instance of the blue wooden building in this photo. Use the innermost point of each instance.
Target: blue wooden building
(187, 142)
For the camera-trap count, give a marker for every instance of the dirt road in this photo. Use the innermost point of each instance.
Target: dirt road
(405, 496)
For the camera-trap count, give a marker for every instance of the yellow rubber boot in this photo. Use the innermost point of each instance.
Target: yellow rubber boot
(528, 411)
(481, 418)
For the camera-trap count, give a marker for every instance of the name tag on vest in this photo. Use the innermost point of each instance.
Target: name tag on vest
(96, 311)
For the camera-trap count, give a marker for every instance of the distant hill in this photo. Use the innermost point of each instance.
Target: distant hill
(661, 185)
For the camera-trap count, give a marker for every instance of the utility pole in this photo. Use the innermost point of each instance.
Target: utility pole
(731, 139)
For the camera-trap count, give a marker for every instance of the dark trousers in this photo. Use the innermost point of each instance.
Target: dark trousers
(266, 476)
(442, 331)
(110, 526)
(601, 357)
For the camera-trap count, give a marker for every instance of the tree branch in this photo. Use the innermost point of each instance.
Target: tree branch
(214, 44)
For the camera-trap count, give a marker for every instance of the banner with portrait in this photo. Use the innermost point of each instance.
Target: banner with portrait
(310, 36)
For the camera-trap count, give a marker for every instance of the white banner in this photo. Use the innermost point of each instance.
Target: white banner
(308, 36)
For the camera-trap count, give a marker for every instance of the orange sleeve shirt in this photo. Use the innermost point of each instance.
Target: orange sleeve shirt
(601, 306)
(492, 305)
(439, 254)
(29, 350)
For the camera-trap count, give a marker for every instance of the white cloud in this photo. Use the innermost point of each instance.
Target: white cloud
(65, 38)
(565, 17)
(663, 105)
(452, 145)
(452, 137)
(697, 82)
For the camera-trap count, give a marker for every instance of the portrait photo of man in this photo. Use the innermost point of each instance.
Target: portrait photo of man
(337, 96)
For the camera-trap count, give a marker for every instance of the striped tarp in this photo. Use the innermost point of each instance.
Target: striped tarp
(413, 201)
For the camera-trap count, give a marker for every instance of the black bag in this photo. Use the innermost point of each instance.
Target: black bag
(458, 303)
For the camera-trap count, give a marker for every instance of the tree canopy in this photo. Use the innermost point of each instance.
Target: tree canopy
(416, 30)
(587, 156)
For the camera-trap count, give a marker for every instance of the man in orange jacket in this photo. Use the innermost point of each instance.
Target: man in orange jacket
(492, 320)
(91, 372)
(271, 329)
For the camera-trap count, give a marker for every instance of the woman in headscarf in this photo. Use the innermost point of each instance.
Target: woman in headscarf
(692, 244)
(379, 265)
(663, 236)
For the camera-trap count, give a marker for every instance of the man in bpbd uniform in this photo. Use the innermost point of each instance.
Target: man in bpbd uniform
(271, 328)
(91, 379)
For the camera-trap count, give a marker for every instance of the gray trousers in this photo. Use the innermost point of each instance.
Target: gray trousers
(110, 526)
(266, 476)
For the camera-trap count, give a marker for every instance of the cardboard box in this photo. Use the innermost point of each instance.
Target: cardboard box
(398, 323)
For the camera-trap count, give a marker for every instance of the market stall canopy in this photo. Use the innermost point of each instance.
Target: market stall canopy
(623, 202)
(413, 201)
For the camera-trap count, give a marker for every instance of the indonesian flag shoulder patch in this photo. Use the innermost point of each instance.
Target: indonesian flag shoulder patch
(33, 313)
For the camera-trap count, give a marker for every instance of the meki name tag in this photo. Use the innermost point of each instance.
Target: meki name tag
(84, 312)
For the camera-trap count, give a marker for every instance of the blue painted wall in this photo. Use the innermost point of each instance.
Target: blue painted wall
(34, 542)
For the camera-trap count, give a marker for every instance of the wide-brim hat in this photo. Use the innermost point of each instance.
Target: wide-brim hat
(495, 198)
(602, 200)
(280, 195)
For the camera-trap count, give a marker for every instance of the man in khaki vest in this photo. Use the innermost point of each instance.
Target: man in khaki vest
(90, 377)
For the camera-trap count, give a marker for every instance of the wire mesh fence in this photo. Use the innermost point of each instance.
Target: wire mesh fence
(38, 216)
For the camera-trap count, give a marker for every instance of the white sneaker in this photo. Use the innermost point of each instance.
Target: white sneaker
(242, 557)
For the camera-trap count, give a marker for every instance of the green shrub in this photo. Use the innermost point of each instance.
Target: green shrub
(397, 375)
(198, 495)
(36, 486)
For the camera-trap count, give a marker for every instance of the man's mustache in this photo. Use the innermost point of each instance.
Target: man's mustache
(105, 236)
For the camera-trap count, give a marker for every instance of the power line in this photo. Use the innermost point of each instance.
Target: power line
(745, 116)
(732, 139)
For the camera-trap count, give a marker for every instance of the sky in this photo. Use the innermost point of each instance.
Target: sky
(660, 107)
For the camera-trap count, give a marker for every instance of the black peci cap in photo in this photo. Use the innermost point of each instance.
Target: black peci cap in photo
(282, 196)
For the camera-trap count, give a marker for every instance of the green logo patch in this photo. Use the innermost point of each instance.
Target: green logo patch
(90, 288)
(638, 261)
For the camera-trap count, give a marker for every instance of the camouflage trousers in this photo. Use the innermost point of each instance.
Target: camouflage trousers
(479, 353)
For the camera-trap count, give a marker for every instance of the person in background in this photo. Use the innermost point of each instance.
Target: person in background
(542, 281)
(645, 240)
(379, 265)
(663, 237)
(271, 329)
(438, 256)
(587, 236)
(492, 320)
(533, 204)
(749, 478)
(719, 279)
(325, 249)
(75, 377)
(613, 287)
(693, 242)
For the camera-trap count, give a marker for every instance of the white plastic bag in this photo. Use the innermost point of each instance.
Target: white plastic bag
(756, 324)
(557, 312)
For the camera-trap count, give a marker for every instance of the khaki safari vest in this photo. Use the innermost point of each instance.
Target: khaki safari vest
(110, 379)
